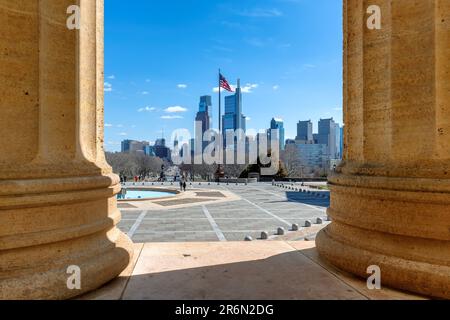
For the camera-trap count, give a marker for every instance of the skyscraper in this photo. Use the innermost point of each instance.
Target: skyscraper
(204, 118)
(277, 124)
(327, 135)
(305, 131)
(203, 115)
(233, 118)
(338, 142)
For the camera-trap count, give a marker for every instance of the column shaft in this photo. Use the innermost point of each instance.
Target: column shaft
(57, 194)
(390, 198)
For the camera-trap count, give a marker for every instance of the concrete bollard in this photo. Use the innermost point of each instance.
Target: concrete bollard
(295, 227)
(264, 235)
(281, 231)
(248, 238)
(319, 221)
(308, 224)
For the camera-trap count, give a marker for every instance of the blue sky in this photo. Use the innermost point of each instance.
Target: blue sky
(161, 56)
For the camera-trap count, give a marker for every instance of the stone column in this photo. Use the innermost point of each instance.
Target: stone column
(390, 198)
(57, 193)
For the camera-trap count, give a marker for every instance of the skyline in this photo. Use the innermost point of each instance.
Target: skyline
(155, 71)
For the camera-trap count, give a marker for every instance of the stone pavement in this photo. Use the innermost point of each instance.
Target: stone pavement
(236, 270)
(261, 207)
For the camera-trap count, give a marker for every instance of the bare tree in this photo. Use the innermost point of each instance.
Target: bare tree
(132, 164)
(234, 170)
(292, 161)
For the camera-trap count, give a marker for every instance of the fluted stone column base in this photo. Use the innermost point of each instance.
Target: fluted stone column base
(398, 224)
(49, 225)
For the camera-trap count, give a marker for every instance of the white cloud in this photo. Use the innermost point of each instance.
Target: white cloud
(337, 109)
(123, 134)
(147, 80)
(120, 126)
(260, 13)
(171, 117)
(175, 109)
(248, 88)
(182, 86)
(146, 109)
(108, 125)
(276, 87)
(108, 87)
(248, 118)
(144, 93)
(112, 77)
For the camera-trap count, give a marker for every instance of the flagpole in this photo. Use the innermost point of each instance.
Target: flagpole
(220, 123)
(220, 107)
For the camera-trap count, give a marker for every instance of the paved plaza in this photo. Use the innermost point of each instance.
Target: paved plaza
(258, 207)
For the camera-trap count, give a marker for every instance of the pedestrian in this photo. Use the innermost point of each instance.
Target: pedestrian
(184, 185)
(181, 183)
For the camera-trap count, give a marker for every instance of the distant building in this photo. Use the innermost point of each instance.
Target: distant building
(327, 136)
(160, 142)
(203, 117)
(277, 124)
(149, 151)
(305, 131)
(133, 146)
(233, 119)
(338, 154)
(289, 142)
(313, 155)
(143, 147)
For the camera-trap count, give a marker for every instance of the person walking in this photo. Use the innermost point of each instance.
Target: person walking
(181, 183)
(184, 184)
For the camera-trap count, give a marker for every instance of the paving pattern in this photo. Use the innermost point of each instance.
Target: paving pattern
(262, 207)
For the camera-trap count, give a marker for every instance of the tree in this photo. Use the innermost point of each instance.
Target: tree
(134, 164)
(292, 161)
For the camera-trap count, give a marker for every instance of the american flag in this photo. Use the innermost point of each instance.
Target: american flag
(224, 83)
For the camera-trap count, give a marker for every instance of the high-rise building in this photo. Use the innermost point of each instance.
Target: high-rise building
(203, 117)
(205, 104)
(125, 146)
(313, 155)
(160, 142)
(277, 124)
(305, 131)
(133, 146)
(327, 135)
(149, 150)
(233, 118)
(338, 142)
